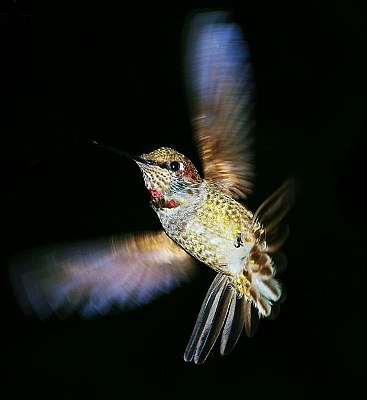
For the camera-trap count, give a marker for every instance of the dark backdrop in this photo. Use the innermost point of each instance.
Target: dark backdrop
(77, 71)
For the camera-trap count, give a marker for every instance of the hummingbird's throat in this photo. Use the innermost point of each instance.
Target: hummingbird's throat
(156, 193)
(159, 201)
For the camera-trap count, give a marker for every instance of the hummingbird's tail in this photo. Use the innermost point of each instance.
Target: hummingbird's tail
(222, 310)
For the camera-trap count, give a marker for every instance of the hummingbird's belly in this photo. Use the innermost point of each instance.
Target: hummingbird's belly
(218, 233)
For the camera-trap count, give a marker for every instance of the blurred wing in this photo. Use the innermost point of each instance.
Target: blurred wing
(93, 276)
(220, 86)
(272, 212)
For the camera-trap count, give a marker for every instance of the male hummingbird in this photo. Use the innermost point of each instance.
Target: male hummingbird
(203, 218)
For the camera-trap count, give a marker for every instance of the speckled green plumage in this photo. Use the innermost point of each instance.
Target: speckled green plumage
(208, 224)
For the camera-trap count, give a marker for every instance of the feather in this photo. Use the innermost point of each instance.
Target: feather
(94, 276)
(223, 312)
(210, 320)
(220, 84)
(251, 318)
(234, 323)
(273, 210)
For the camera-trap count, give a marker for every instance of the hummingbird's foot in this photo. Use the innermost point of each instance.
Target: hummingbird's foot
(238, 241)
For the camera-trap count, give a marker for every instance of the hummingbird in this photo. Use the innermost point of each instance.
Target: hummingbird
(204, 219)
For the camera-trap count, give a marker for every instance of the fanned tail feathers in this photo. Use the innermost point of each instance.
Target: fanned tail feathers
(222, 310)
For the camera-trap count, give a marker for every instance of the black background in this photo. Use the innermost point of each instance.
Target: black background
(77, 71)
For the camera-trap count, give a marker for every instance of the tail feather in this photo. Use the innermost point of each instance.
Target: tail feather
(225, 311)
(251, 318)
(210, 320)
(233, 326)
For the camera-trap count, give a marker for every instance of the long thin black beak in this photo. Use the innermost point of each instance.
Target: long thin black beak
(125, 154)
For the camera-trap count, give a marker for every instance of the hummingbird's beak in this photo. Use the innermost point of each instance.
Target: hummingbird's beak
(137, 159)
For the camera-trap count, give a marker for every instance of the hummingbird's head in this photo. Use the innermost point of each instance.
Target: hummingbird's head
(168, 175)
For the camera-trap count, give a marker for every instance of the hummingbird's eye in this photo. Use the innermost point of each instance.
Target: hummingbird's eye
(174, 166)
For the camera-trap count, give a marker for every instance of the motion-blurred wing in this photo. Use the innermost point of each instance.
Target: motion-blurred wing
(271, 215)
(220, 86)
(93, 276)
